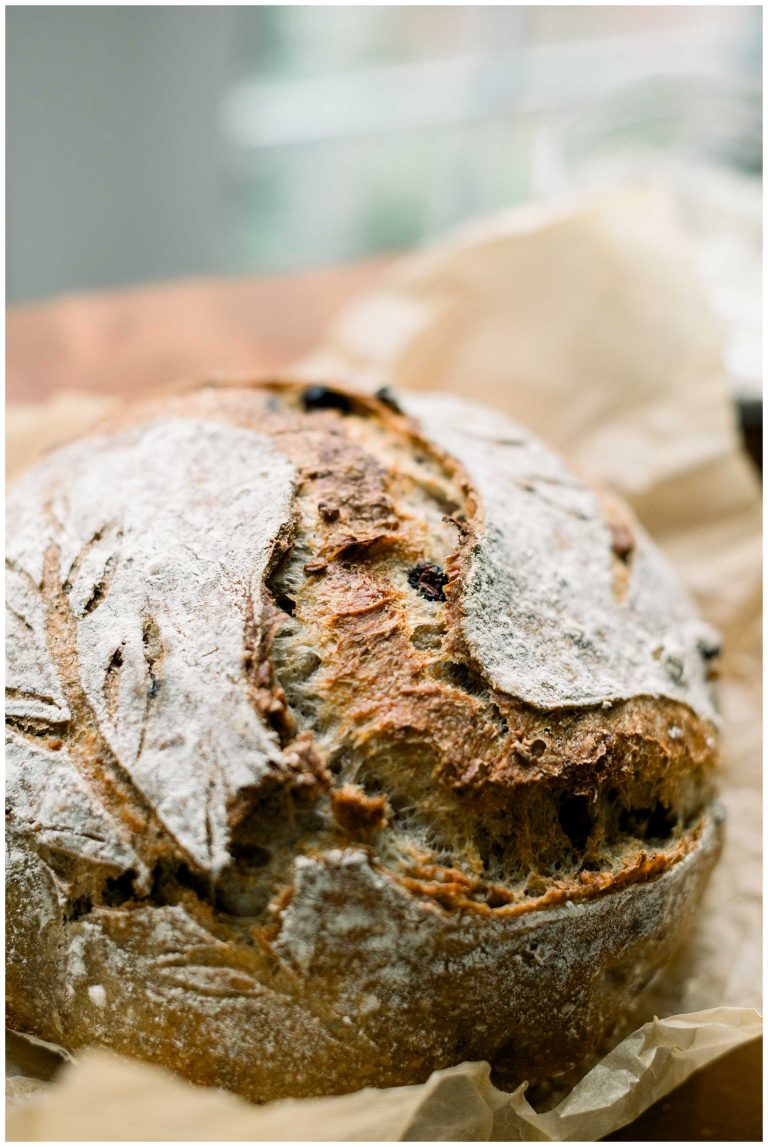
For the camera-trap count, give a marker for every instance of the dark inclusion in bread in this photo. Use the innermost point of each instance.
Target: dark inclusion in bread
(344, 744)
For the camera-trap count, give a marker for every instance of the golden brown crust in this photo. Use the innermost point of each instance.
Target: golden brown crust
(358, 516)
(358, 815)
(413, 821)
(536, 995)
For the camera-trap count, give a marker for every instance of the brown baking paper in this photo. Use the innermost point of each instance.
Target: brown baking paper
(587, 324)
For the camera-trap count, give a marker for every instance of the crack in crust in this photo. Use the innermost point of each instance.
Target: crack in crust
(422, 726)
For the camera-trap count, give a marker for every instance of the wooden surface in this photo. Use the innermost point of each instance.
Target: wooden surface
(132, 340)
(126, 341)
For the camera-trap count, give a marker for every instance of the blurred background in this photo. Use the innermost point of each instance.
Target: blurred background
(147, 143)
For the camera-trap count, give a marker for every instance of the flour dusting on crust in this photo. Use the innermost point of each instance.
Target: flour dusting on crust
(541, 614)
(159, 538)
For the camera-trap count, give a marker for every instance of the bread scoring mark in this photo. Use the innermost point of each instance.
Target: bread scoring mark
(16, 567)
(50, 800)
(112, 675)
(112, 785)
(110, 533)
(38, 729)
(101, 587)
(19, 617)
(29, 694)
(154, 652)
(148, 620)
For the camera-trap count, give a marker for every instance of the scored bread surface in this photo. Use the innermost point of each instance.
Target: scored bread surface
(344, 744)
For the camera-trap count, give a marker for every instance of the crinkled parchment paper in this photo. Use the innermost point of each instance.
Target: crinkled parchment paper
(589, 326)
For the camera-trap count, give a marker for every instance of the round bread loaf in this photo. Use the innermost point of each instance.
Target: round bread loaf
(346, 742)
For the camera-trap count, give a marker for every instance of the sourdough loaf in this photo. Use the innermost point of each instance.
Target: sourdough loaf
(346, 742)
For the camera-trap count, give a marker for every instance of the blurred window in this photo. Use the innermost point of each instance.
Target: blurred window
(147, 142)
(352, 130)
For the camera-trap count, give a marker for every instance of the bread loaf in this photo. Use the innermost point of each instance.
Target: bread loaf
(349, 738)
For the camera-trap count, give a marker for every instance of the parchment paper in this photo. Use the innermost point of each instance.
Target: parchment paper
(587, 324)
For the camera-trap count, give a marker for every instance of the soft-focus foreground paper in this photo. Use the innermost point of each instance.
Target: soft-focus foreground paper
(590, 327)
(105, 1097)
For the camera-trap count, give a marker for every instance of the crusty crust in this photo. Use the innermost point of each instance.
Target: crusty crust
(343, 745)
(361, 984)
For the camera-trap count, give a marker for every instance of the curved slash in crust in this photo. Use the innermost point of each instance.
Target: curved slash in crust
(94, 758)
